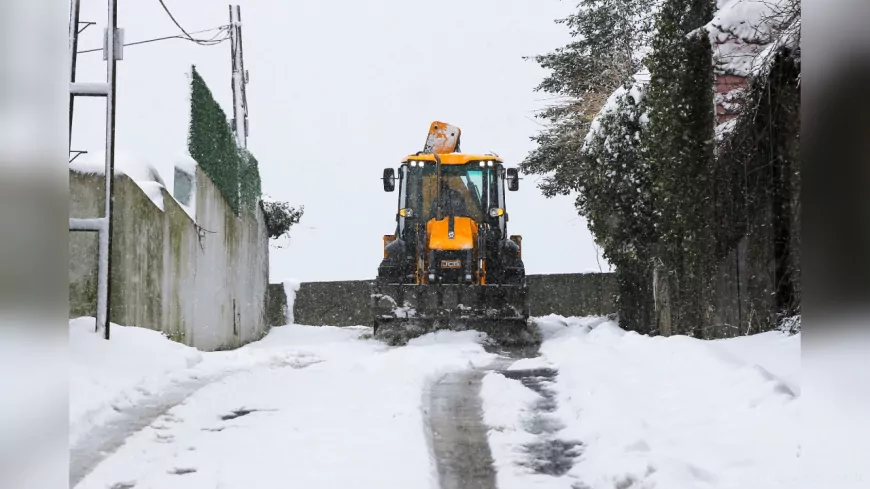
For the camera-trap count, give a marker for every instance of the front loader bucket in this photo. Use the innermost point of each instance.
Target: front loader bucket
(403, 311)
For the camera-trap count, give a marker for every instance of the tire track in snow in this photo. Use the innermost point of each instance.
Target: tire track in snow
(457, 432)
(459, 441)
(549, 455)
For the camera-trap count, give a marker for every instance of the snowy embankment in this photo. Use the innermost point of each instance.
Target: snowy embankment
(108, 376)
(137, 365)
(629, 410)
(337, 411)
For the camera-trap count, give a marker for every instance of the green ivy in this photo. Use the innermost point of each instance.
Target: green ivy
(249, 181)
(211, 143)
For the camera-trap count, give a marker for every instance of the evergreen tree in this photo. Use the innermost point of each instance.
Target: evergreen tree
(615, 197)
(610, 37)
(679, 148)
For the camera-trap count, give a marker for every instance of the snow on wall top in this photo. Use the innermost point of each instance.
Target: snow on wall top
(138, 169)
(186, 163)
(128, 164)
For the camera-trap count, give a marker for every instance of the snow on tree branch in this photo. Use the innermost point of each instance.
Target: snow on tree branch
(280, 217)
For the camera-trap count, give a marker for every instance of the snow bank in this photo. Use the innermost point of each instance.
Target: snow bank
(773, 353)
(137, 364)
(503, 398)
(554, 325)
(307, 337)
(447, 337)
(111, 375)
(507, 406)
(664, 412)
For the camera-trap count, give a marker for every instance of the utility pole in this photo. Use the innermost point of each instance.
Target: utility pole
(73, 48)
(113, 42)
(240, 78)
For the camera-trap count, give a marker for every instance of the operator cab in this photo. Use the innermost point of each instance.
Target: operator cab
(470, 186)
(453, 207)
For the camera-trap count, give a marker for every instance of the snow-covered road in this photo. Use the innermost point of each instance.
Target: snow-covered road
(324, 407)
(354, 417)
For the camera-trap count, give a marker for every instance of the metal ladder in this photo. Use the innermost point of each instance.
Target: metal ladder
(112, 52)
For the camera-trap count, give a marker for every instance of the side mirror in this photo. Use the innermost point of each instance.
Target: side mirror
(513, 179)
(389, 180)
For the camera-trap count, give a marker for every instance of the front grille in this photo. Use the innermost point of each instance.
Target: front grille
(450, 266)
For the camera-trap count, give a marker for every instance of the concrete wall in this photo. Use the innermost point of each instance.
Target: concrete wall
(333, 303)
(276, 305)
(741, 298)
(347, 303)
(203, 283)
(572, 294)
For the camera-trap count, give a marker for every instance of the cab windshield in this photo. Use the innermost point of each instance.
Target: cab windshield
(464, 190)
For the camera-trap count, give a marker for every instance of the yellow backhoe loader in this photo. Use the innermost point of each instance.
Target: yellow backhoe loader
(450, 263)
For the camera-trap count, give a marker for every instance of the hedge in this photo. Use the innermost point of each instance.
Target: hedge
(212, 144)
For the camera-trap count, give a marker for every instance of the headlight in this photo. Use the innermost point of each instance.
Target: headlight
(407, 212)
(490, 163)
(482, 163)
(496, 212)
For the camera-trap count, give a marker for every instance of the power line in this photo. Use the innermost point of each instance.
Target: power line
(198, 41)
(209, 42)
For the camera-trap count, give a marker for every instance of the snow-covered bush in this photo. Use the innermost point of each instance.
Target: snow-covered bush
(280, 217)
(790, 324)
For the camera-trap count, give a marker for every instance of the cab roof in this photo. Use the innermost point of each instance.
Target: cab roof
(453, 158)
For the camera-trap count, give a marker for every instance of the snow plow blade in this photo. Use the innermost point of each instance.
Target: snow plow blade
(402, 312)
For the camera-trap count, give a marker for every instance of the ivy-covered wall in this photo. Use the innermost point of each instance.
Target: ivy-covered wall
(201, 282)
(211, 143)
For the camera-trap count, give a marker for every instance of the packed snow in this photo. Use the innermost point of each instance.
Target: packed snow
(350, 416)
(312, 407)
(110, 375)
(656, 411)
(138, 365)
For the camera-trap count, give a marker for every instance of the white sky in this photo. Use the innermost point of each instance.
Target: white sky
(338, 91)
